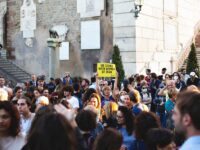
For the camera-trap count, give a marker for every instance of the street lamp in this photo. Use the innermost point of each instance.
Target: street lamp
(138, 7)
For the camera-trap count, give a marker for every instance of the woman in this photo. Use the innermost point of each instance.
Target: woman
(125, 120)
(143, 123)
(10, 137)
(109, 139)
(51, 131)
(109, 117)
(180, 84)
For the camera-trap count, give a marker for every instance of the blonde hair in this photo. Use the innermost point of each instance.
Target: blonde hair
(110, 109)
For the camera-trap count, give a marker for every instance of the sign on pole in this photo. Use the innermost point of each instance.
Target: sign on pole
(106, 70)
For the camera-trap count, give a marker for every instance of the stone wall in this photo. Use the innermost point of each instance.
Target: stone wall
(49, 13)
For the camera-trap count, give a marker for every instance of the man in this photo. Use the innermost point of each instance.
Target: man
(18, 93)
(148, 75)
(2, 85)
(72, 100)
(26, 117)
(163, 72)
(33, 81)
(41, 83)
(185, 76)
(187, 119)
(85, 84)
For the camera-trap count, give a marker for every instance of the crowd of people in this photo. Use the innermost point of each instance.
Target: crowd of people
(142, 112)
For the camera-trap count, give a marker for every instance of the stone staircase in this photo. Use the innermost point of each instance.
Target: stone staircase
(12, 72)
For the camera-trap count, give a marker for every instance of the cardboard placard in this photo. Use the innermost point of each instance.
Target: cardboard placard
(106, 70)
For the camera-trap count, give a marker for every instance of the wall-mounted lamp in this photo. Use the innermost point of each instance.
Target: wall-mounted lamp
(138, 7)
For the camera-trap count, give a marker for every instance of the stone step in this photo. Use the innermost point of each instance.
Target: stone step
(13, 72)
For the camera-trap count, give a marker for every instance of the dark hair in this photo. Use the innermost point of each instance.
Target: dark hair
(131, 79)
(51, 131)
(58, 81)
(126, 83)
(14, 128)
(36, 89)
(41, 77)
(109, 139)
(86, 120)
(148, 70)
(17, 88)
(68, 88)
(158, 137)
(189, 103)
(141, 77)
(129, 119)
(27, 99)
(164, 69)
(76, 87)
(86, 80)
(153, 75)
(93, 79)
(178, 74)
(87, 94)
(144, 122)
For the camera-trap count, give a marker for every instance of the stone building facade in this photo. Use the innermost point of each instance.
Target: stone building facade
(158, 37)
(35, 59)
(155, 39)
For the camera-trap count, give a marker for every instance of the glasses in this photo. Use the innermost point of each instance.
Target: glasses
(120, 117)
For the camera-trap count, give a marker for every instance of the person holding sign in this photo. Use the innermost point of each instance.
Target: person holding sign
(106, 94)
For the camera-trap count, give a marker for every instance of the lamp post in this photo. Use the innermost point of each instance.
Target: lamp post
(138, 7)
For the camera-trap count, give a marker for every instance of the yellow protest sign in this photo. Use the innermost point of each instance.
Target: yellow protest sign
(106, 70)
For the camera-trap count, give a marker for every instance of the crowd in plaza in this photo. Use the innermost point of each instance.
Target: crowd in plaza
(143, 112)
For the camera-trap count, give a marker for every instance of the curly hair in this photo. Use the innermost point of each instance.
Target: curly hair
(144, 122)
(14, 128)
(129, 118)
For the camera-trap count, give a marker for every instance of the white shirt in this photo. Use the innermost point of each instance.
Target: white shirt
(12, 143)
(25, 124)
(73, 101)
(192, 143)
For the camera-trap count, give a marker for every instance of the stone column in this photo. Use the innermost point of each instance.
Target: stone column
(54, 61)
(3, 9)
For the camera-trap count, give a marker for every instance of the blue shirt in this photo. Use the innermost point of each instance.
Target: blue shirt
(128, 140)
(104, 101)
(193, 143)
(169, 105)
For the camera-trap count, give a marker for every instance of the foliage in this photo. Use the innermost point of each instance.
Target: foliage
(116, 59)
(192, 64)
